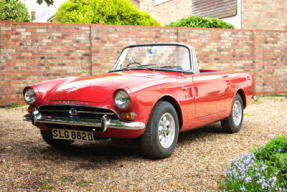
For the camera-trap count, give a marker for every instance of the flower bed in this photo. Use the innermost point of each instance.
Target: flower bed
(263, 169)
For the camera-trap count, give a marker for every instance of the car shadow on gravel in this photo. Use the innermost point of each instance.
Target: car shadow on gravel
(200, 133)
(108, 149)
(98, 154)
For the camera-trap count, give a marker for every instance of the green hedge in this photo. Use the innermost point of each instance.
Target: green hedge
(14, 10)
(201, 22)
(110, 12)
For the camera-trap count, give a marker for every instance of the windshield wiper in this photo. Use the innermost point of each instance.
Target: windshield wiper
(133, 62)
(146, 65)
(136, 67)
(167, 66)
(170, 68)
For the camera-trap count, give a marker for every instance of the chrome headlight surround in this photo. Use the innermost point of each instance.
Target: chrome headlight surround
(122, 99)
(30, 96)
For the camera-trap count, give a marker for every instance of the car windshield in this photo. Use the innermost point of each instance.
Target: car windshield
(164, 57)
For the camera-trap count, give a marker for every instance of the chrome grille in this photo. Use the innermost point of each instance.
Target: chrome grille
(85, 112)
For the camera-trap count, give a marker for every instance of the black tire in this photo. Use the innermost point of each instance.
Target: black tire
(57, 143)
(231, 124)
(151, 144)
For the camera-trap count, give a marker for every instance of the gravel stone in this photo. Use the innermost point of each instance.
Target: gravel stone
(197, 163)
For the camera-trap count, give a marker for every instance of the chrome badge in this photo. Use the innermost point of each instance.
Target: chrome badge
(73, 112)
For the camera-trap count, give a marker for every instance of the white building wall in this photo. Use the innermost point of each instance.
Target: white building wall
(44, 17)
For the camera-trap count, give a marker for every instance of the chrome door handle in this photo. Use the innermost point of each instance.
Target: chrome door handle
(185, 87)
(224, 76)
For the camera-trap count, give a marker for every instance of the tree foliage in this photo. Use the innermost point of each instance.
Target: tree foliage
(14, 10)
(201, 22)
(49, 2)
(111, 12)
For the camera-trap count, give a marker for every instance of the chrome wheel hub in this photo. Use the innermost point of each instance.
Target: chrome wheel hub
(237, 112)
(166, 130)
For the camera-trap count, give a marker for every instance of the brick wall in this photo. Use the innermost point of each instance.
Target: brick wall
(6, 70)
(168, 11)
(39, 52)
(267, 14)
(34, 52)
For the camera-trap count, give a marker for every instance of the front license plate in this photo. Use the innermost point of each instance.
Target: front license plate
(70, 134)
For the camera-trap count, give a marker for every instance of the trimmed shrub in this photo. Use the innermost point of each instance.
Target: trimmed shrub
(110, 12)
(201, 22)
(14, 10)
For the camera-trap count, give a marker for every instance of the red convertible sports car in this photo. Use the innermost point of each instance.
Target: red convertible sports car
(153, 92)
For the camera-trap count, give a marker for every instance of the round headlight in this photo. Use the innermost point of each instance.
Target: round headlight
(30, 96)
(122, 99)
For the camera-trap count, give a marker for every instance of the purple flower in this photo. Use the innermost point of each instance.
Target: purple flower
(260, 181)
(279, 150)
(264, 185)
(264, 167)
(242, 188)
(282, 158)
(248, 179)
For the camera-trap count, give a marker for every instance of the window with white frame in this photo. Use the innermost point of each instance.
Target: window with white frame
(156, 2)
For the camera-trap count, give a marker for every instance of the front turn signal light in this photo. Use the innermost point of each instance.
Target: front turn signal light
(30, 109)
(128, 116)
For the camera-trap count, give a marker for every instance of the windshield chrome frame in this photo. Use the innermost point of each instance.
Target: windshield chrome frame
(190, 49)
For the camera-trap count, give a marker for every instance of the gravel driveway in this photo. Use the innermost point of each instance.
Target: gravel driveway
(197, 163)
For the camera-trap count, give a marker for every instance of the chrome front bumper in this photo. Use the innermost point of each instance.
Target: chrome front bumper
(104, 123)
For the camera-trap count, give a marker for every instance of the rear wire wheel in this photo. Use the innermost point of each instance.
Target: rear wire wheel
(161, 134)
(233, 123)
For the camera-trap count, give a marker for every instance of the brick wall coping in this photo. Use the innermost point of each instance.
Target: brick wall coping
(133, 26)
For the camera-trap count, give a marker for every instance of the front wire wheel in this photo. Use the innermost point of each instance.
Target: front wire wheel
(161, 134)
(166, 130)
(233, 123)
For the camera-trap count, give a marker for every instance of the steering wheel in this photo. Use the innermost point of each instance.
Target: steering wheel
(134, 62)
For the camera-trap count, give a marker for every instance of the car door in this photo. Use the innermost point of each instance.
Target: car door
(211, 94)
(186, 99)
